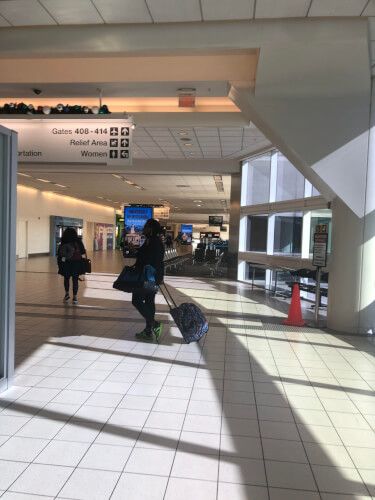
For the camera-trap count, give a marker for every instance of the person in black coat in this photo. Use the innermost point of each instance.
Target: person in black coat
(151, 253)
(69, 261)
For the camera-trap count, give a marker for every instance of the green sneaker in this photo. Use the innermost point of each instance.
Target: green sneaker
(144, 335)
(158, 330)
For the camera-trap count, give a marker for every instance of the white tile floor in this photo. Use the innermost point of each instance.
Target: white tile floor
(258, 411)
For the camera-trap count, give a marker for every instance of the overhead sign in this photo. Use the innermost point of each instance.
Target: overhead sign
(73, 141)
(320, 245)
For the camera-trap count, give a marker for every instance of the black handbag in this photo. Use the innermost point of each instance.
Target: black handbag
(87, 265)
(129, 280)
(132, 280)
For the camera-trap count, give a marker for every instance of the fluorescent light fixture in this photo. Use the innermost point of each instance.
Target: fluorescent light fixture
(44, 180)
(131, 183)
(118, 176)
(188, 144)
(100, 197)
(61, 186)
(197, 201)
(23, 175)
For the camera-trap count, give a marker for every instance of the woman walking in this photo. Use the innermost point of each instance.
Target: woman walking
(69, 261)
(151, 253)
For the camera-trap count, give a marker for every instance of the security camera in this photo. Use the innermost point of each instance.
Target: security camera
(37, 91)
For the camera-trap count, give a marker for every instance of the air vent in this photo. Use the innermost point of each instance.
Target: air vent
(182, 186)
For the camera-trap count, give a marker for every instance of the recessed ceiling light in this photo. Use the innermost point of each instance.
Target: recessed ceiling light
(23, 175)
(43, 180)
(197, 201)
(199, 205)
(188, 144)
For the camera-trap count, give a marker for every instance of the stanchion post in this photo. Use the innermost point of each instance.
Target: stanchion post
(317, 295)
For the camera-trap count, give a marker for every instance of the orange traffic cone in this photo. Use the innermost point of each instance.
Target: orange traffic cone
(295, 312)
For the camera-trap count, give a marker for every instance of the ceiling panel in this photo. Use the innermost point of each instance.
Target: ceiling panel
(220, 11)
(281, 8)
(337, 8)
(25, 13)
(73, 11)
(174, 10)
(123, 11)
(101, 188)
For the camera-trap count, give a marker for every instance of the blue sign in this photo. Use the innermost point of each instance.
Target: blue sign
(186, 234)
(134, 220)
(136, 217)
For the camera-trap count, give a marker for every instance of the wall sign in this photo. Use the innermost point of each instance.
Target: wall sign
(73, 141)
(320, 245)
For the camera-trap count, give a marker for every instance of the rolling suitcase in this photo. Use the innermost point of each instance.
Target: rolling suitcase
(188, 317)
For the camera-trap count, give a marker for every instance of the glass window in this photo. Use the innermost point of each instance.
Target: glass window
(256, 275)
(315, 192)
(258, 180)
(290, 182)
(288, 234)
(321, 217)
(257, 227)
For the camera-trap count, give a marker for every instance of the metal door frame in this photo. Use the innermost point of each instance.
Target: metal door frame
(8, 227)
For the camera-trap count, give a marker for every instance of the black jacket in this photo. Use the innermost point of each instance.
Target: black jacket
(71, 267)
(152, 253)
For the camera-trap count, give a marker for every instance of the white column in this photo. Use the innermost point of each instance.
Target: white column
(306, 230)
(351, 302)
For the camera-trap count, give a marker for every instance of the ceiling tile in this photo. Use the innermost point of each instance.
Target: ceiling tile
(123, 11)
(174, 10)
(281, 8)
(73, 11)
(370, 9)
(322, 8)
(25, 13)
(222, 11)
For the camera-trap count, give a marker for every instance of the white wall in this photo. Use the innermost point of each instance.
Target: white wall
(36, 207)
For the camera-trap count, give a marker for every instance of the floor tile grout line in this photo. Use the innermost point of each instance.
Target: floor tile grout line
(149, 412)
(329, 417)
(221, 416)
(257, 413)
(298, 431)
(66, 422)
(334, 426)
(183, 423)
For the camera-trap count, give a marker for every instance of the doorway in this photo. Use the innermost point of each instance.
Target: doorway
(22, 239)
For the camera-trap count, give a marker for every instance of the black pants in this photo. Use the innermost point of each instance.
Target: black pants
(75, 283)
(145, 305)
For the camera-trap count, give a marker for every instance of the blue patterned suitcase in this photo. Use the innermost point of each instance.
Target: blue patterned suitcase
(188, 317)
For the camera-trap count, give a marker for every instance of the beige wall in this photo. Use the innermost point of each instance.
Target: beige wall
(36, 207)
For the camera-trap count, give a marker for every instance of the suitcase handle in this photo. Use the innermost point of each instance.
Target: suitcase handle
(168, 296)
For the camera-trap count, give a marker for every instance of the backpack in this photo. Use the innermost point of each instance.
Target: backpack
(67, 251)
